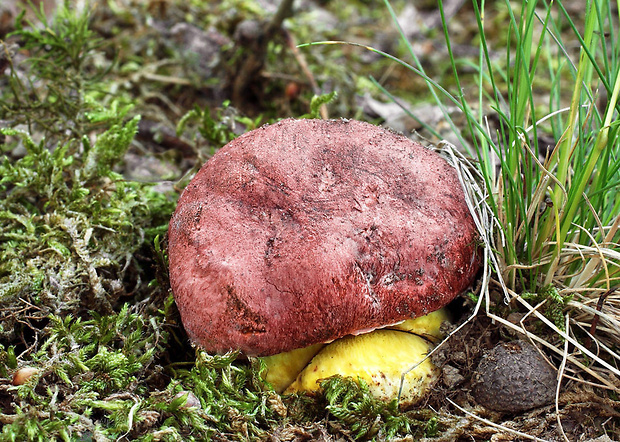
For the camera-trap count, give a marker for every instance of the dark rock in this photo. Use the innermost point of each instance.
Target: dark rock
(199, 48)
(514, 377)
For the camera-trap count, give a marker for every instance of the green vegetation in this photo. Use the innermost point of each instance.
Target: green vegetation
(350, 402)
(542, 123)
(550, 199)
(69, 224)
(83, 285)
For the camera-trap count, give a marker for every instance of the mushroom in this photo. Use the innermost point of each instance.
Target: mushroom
(305, 231)
(514, 377)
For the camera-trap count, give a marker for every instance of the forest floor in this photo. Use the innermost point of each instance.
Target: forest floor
(222, 61)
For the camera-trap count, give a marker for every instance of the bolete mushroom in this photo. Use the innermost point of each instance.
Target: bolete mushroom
(306, 231)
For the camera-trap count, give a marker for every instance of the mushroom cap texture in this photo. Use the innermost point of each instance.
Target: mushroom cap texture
(309, 230)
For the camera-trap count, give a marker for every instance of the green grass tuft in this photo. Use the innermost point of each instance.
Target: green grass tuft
(541, 121)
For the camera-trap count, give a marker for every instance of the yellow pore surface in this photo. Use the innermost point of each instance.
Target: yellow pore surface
(283, 368)
(379, 358)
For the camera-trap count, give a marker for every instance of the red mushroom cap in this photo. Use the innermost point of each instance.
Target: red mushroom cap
(308, 230)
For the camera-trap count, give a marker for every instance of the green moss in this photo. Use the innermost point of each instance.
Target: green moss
(69, 225)
(552, 303)
(82, 366)
(349, 401)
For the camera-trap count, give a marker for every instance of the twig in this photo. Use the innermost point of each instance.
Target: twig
(284, 11)
(301, 60)
(595, 319)
(167, 79)
(256, 52)
(493, 424)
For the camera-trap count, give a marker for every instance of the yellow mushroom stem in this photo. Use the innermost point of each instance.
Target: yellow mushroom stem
(379, 358)
(282, 369)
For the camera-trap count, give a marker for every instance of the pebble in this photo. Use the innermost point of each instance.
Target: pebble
(513, 377)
